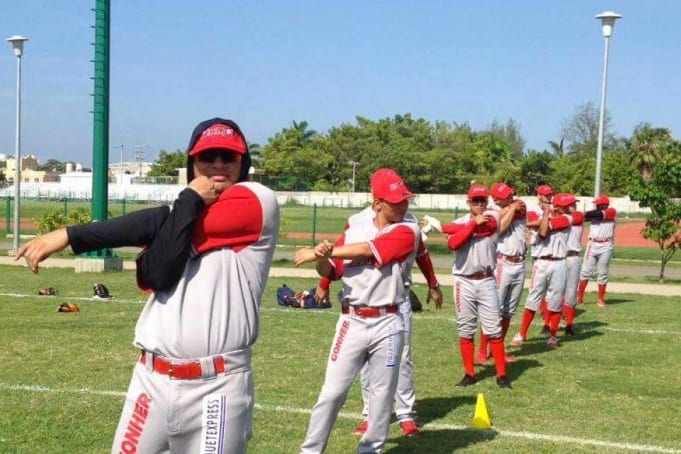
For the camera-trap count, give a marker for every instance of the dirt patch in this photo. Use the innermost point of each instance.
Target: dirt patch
(628, 234)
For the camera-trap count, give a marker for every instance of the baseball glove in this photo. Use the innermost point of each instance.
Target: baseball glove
(68, 307)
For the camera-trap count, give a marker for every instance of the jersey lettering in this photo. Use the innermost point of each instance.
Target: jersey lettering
(339, 341)
(213, 423)
(136, 424)
(391, 357)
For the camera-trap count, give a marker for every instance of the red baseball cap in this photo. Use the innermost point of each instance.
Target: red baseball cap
(221, 137)
(501, 191)
(544, 189)
(602, 200)
(387, 185)
(477, 191)
(563, 199)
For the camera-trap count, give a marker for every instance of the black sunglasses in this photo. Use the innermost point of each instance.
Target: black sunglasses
(209, 156)
(478, 201)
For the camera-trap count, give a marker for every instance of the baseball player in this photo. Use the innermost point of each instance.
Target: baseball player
(474, 238)
(572, 262)
(544, 193)
(600, 247)
(548, 270)
(192, 389)
(405, 395)
(372, 259)
(510, 269)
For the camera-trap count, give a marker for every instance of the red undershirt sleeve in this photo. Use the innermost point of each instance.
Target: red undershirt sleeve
(460, 238)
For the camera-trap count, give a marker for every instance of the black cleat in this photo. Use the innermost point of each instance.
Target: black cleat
(569, 330)
(504, 382)
(546, 331)
(467, 380)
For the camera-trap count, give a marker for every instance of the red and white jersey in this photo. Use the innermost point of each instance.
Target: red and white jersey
(534, 214)
(574, 241)
(214, 309)
(555, 243)
(380, 280)
(512, 242)
(478, 254)
(367, 216)
(604, 229)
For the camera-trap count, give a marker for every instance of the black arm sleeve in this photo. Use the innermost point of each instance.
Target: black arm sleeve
(160, 266)
(135, 229)
(594, 215)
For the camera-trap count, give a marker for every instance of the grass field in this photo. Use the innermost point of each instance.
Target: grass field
(612, 388)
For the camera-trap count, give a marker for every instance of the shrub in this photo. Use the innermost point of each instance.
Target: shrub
(55, 219)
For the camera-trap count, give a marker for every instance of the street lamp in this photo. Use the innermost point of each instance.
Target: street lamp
(354, 167)
(608, 19)
(139, 156)
(18, 45)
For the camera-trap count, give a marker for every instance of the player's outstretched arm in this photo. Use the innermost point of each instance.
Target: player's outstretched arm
(161, 264)
(304, 255)
(41, 247)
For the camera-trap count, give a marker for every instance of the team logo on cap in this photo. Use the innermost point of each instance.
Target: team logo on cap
(218, 130)
(395, 186)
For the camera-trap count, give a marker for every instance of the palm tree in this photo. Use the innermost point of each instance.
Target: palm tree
(557, 147)
(304, 135)
(645, 149)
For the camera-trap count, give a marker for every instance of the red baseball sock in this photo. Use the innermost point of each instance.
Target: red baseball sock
(569, 313)
(467, 347)
(580, 290)
(547, 316)
(601, 292)
(554, 322)
(528, 316)
(499, 355)
(542, 307)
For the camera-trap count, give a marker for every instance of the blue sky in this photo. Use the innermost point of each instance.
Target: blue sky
(267, 63)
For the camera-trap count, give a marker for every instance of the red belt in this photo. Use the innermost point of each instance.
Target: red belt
(511, 258)
(550, 257)
(182, 371)
(606, 240)
(364, 311)
(573, 253)
(477, 276)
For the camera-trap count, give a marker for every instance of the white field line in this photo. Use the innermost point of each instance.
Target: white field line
(433, 426)
(583, 327)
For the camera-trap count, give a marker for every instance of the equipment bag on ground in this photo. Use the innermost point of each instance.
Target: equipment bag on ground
(300, 300)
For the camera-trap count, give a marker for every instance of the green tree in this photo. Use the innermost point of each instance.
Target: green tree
(535, 168)
(557, 147)
(53, 165)
(646, 148)
(510, 134)
(489, 151)
(254, 150)
(299, 157)
(302, 132)
(661, 193)
(279, 154)
(168, 163)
